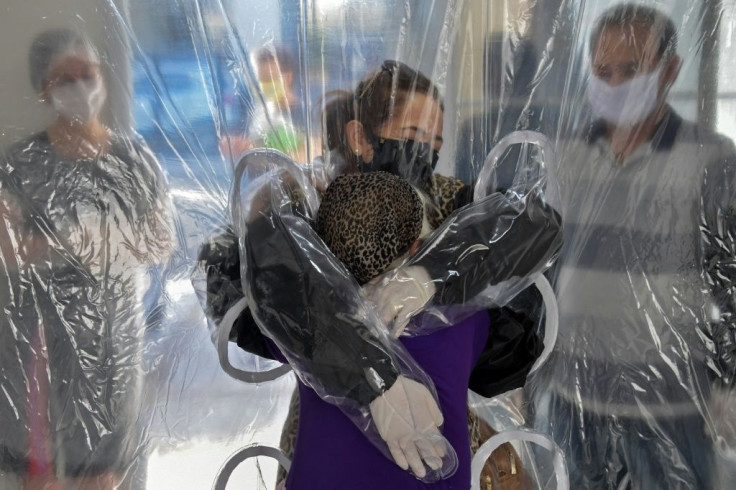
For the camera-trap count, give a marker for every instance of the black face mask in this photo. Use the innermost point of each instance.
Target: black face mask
(409, 159)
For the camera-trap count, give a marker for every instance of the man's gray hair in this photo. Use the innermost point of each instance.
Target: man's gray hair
(629, 14)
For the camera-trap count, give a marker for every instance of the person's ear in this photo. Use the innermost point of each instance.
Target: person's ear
(415, 246)
(358, 141)
(670, 72)
(45, 95)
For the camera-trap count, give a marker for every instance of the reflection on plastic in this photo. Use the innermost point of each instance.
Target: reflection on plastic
(546, 442)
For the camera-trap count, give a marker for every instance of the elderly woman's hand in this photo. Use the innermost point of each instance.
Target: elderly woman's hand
(408, 419)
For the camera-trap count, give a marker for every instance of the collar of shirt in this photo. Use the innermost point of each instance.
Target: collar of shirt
(662, 139)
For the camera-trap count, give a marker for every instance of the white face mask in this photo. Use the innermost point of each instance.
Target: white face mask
(79, 101)
(627, 103)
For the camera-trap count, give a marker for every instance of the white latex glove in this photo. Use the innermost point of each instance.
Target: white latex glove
(408, 419)
(399, 295)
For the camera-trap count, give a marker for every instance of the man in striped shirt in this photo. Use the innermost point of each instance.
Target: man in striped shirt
(644, 280)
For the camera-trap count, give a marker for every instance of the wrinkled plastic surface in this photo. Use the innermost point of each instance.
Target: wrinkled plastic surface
(639, 385)
(79, 242)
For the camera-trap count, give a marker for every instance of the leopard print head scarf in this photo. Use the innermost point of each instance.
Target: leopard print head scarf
(368, 220)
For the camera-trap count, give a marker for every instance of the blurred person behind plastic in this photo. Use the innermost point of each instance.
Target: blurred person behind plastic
(645, 278)
(280, 118)
(85, 215)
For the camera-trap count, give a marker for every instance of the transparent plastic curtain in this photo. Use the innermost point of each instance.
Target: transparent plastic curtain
(637, 389)
(642, 363)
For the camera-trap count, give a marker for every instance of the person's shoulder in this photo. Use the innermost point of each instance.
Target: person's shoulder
(447, 182)
(28, 145)
(129, 143)
(716, 153)
(27, 151)
(446, 195)
(448, 190)
(134, 152)
(691, 132)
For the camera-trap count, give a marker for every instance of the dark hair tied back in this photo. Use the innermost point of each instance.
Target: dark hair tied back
(375, 100)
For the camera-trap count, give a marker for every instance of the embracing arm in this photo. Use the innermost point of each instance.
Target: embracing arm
(337, 350)
(317, 323)
(488, 242)
(497, 241)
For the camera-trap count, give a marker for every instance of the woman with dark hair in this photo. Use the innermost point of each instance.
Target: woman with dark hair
(393, 123)
(85, 216)
(393, 110)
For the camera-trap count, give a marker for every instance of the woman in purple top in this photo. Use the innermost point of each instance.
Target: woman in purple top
(374, 210)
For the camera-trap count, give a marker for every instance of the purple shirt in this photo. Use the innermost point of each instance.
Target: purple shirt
(332, 453)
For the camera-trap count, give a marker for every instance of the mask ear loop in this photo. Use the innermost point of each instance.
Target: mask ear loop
(376, 142)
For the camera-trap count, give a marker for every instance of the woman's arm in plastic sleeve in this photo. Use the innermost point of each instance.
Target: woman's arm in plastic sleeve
(318, 325)
(488, 242)
(219, 259)
(219, 264)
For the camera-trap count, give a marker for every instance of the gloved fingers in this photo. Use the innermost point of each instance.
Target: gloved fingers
(387, 315)
(441, 447)
(415, 461)
(398, 455)
(435, 411)
(428, 449)
(397, 330)
(400, 322)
